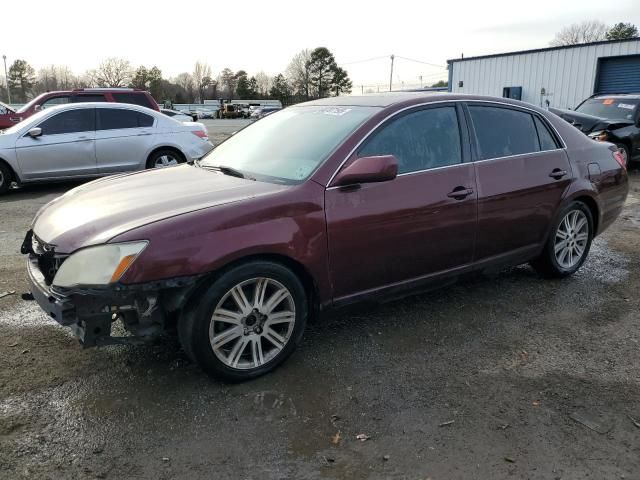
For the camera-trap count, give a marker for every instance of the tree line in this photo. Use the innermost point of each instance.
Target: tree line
(593, 31)
(310, 74)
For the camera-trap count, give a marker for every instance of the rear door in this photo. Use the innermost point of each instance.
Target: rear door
(423, 223)
(124, 138)
(522, 173)
(66, 147)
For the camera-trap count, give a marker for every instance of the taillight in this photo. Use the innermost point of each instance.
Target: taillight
(200, 133)
(620, 159)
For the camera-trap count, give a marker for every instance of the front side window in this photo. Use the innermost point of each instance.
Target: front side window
(117, 118)
(72, 121)
(502, 132)
(132, 97)
(419, 140)
(52, 102)
(288, 146)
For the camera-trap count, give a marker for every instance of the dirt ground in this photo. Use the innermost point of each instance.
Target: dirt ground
(510, 376)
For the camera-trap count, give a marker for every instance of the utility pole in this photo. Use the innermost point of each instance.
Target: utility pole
(362, 89)
(6, 78)
(420, 77)
(391, 75)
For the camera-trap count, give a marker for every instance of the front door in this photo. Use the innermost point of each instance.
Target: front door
(386, 235)
(522, 174)
(66, 147)
(123, 139)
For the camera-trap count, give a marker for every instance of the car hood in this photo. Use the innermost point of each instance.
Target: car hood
(97, 211)
(589, 123)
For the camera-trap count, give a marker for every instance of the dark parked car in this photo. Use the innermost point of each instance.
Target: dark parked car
(79, 95)
(323, 204)
(609, 118)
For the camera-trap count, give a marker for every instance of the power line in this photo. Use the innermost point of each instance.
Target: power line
(420, 61)
(366, 60)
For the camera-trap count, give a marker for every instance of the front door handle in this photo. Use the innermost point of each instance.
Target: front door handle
(460, 193)
(557, 173)
(15, 119)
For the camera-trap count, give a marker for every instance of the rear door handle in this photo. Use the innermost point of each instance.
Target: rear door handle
(557, 173)
(460, 193)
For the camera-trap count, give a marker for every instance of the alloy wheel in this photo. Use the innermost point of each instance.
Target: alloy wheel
(571, 239)
(166, 161)
(252, 323)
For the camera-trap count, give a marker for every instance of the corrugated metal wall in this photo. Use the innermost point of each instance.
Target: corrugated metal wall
(567, 75)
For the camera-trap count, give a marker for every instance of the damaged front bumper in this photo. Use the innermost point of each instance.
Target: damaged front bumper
(144, 310)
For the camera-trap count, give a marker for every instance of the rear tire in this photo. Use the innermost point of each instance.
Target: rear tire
(568, 244)
(6, 178)
(165, 157)
(246, 323)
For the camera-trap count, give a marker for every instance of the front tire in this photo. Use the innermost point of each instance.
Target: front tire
(247, 322)
(624, 150)
(6, 177)
(568, 244)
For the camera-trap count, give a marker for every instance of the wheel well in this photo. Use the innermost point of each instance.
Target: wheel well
(296, 267)
(593, 208)
(173, 149)
(14, 176)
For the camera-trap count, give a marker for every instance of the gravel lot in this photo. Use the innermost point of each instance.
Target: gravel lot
(503, 377)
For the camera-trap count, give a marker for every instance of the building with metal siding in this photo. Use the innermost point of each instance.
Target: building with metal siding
(560, 77)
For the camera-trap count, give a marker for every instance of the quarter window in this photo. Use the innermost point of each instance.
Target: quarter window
(116, 118)
(502, 132)
(419, 140)
(547, 142)
(81, 120)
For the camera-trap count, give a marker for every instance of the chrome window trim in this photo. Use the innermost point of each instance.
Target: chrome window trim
(493, 102)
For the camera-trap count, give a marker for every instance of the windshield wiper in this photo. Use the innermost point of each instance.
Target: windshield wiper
(226, 170)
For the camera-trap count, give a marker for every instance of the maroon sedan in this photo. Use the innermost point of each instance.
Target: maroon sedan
(320, 205)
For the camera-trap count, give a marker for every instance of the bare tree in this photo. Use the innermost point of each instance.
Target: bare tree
(185, 81)
(55, 77)
(201, 79)
(112, 72)
(263, 83)
(584, 32)
(297, 73)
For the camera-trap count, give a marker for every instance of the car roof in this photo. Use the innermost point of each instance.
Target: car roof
(406, 98)
(125, 106)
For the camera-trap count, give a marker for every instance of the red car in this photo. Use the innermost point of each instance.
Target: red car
(320, 205)
(9, 117)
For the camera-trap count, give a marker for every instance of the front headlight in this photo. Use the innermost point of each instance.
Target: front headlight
(99, 265)
(600, 135)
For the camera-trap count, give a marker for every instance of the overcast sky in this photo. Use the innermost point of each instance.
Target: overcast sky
(264, 35)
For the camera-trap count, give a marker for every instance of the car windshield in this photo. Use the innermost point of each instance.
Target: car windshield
(610, 108)
(288, 145)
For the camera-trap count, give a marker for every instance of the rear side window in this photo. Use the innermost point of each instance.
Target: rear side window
(419, 140)
(547, 141)
(88, 98)
(502, 132)
(72, 121)
(136, 98)
(115, 119)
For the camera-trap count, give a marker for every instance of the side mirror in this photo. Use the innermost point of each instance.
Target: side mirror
(37, 108)
(368, 170)
(35, 132)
